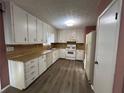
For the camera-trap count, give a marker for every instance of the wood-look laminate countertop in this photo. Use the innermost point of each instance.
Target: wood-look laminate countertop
(27, 56)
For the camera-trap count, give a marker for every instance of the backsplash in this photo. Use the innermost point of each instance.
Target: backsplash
(39, 47)
(80, 46)
(59, 45)
(22, 48)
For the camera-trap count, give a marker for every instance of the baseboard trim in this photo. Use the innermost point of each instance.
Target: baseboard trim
(5, 88)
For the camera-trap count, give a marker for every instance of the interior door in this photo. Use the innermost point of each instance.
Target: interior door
(106, 48)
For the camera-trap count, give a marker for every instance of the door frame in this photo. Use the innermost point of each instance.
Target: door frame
(118, 29)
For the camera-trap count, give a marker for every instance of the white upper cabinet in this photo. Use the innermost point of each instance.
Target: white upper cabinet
(71, 35)
(23, 28)
(45, 33)
(19, 25)
(39, 31)
(80, 37)
(32, 29)
(62, 37)
(50, 35)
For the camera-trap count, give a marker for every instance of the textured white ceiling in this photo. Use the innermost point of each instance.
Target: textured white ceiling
(56, 12)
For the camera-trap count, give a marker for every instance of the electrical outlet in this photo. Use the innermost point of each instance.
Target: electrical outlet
(9, 49)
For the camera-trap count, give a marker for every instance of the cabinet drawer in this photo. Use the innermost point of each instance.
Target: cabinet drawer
(31, 74)
(31, 67)
(31, 62)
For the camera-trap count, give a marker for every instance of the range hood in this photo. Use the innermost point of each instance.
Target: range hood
(71, 42)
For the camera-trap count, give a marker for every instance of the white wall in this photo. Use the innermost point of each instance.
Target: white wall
(71, 35)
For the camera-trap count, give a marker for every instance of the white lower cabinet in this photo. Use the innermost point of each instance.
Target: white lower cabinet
(55, 56)
(62, 53)
(42, 64)
(19, 25)
(49, 59)
(22, 74)
(80, 55)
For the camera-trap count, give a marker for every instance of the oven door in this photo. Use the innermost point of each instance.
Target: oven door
(71, 55)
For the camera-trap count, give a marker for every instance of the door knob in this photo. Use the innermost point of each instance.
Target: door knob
(96, 62)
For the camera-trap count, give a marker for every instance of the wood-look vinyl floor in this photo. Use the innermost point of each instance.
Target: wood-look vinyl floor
(64, 76)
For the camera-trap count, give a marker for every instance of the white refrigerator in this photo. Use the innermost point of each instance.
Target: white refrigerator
(90, 55)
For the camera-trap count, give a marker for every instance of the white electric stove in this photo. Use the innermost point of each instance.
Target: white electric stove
(71, 51)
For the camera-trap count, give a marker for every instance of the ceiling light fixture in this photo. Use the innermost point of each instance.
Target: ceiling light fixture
(70, 23)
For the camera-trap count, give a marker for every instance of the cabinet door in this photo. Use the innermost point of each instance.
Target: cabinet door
(57, 54)
(80, 55)
(61, 36)
(16, 74)
(80, 37)
(44, 62)
(54, 57)
(48, 35)
(19, 25)
(39, 31)
(44, 33)
(49, 60)
(42, 65)
(62, 53)
(32, 28)
(50, 38)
